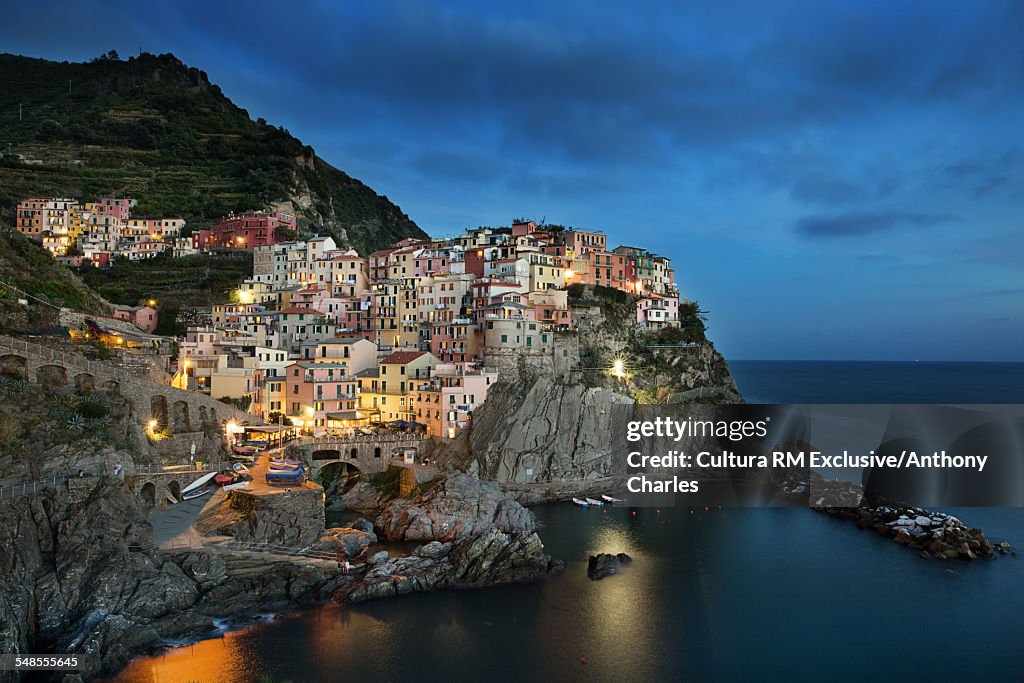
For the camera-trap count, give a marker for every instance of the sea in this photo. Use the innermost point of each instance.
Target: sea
(754, 594)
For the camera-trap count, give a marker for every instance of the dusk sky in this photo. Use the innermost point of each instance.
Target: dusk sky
(841, 181)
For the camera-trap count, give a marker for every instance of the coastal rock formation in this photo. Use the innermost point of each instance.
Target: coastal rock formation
(350, 541)
(935, 534)
(475, 536)
(487, 559)
(457, 507)
(290, 518)
(79, 574)
(606, 564)
(542, 432)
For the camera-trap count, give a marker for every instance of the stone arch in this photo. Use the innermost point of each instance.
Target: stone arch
(175, 489)
(339, 475)
(112, 386)
(148, 494)
(52, 375)
(179, 417)
(84, 382)
(14, 365)
(376, 451)
(204, 418)
(158, 408)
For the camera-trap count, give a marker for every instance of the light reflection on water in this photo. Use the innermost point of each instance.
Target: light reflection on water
(725, 594)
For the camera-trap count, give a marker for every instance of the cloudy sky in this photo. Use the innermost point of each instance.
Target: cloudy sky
(832, 180)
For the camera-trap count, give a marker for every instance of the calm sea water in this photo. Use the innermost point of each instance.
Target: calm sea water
(745, 594)
(878, 382)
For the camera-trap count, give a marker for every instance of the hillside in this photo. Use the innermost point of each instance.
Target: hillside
(152, 128)
(27, 271)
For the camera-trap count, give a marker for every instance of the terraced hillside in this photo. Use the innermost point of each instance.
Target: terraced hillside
(152, 128)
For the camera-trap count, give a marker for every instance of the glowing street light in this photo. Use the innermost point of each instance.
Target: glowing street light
(569, 273)
(244, 296)
(152, 424)
(619, 368)
(151, 303)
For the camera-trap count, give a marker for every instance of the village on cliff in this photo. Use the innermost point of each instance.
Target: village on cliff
(328, 341)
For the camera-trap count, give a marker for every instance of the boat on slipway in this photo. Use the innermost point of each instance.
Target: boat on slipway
(582, 503)
(197, 484)
(197, 493)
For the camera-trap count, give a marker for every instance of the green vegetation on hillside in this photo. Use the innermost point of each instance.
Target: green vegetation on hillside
(152, 128)
(174, 283)
(27, 268)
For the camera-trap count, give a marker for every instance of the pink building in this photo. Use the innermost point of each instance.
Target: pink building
(432, 262)
(250, 229)
(317, 392)
(446, 400)
(118, 208)
(143, 317)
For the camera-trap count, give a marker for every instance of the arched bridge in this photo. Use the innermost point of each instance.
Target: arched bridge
(368, 454)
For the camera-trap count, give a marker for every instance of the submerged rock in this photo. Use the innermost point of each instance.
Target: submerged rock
(606, 564)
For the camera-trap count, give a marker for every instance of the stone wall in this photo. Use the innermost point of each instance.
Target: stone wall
(182, 417)
(524, 365)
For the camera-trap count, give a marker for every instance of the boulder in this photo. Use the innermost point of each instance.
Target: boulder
(606, 564)
(346, 541)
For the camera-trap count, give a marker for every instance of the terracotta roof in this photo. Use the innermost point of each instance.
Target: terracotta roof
(402, 357)
(297, 309)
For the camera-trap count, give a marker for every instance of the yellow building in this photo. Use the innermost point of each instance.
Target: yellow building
(387, 393)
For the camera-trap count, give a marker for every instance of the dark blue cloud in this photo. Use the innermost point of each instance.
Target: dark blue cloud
(861, 223)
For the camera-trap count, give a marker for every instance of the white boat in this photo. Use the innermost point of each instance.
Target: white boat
(196, 494)
(197, 484)
(236, 485)
(239, 467)
(581, 503)
(592, 501)
(609, 499)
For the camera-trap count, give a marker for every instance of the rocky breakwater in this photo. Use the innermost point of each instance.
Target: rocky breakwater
(934, 534)
(473, 536)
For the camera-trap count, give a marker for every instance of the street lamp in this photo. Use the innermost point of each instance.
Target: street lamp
(619, 368)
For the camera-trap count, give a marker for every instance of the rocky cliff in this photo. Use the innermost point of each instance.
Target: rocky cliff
(79, 575)
(540, 433)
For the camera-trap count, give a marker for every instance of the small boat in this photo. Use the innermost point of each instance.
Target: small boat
(197, 484)
(284, 461)
(236, 485)
(593, 501)
(242, 450)
(222, 480)
(609, 499)
(282, 467)
(581, 503)
(239, 467)
(196, 494)
(297, 475)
